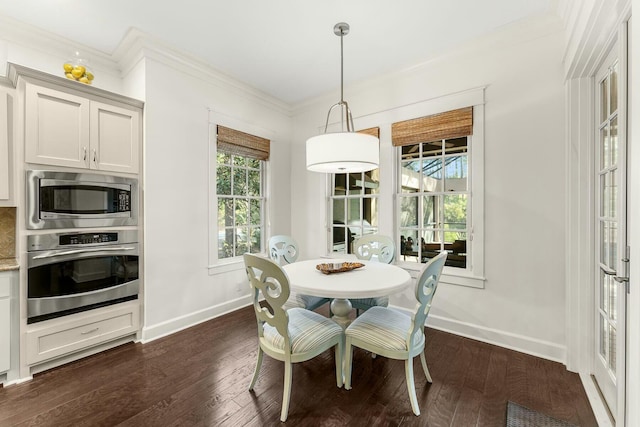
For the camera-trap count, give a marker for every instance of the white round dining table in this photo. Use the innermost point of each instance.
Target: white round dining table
(375, 279)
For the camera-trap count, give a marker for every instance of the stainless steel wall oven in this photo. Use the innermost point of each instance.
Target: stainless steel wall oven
(74, 272)
(71, 200)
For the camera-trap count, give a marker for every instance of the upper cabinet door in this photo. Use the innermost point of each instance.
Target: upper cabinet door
(115, 136)
(5, 177)
(56, 127)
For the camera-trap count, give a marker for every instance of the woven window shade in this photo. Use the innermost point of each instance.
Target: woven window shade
(233, 141)
(447, 125)
(371, 131)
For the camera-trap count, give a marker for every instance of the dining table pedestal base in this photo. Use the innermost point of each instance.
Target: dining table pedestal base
(341, 307)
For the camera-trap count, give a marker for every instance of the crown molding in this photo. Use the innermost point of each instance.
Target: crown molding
(137, 45)
(134, 47)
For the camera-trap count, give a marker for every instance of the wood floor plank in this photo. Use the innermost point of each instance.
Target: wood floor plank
(199, 377)
(493, 407)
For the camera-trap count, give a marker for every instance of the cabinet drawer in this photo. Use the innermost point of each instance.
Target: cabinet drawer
(63, 338)
(5, 321)
(5, 286)
(5, 334)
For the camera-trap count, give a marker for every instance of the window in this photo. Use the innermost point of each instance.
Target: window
(353, 206)
(240, 166)
(433, 187)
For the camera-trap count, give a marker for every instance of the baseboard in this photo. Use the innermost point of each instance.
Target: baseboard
(535, 347)
(153, 332)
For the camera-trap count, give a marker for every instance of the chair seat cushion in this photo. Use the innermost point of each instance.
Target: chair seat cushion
(304, 301)
(307, 330)
(365, 303)
(384, 328)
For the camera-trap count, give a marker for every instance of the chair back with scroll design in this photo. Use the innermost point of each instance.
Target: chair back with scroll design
(395, 334)
(283, 249)
(293, 335)
(375, 245)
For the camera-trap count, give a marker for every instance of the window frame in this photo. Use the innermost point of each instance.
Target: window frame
(247, 198)
(473, 274)
(439, 226)
(223, 265)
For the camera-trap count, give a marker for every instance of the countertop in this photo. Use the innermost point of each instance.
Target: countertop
(8, 264)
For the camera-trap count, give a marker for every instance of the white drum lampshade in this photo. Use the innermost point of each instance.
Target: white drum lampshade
(342, 152)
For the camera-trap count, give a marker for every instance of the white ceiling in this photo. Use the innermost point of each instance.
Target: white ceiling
(285, 48)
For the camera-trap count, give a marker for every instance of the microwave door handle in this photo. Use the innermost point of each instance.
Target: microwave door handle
(81, 251)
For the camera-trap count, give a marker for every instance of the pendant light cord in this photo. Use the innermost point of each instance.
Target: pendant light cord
(341, 67)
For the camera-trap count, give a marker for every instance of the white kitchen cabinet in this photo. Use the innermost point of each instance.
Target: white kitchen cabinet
(65, 128)
(65, 335)
(5, 321)
(115, 136)
(6, 102)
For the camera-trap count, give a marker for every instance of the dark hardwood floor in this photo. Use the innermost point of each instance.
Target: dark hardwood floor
(199, 377)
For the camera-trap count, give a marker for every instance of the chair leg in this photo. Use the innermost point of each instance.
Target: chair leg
(257, 371)
(408, 368)
(348, 354)
(286, 394)
(339, 363)
(423, 359)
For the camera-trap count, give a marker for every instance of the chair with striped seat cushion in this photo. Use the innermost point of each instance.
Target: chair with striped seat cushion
(381, 248)
(396, 335)
(284, 250)
(293, 335)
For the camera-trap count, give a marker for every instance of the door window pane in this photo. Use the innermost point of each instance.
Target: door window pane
(605, 154)
(613, 91)
(613, 141)
(604, 99)
(604, 328)
(612, 348)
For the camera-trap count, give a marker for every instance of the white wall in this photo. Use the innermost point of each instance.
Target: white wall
(178, 288)
(522, 305)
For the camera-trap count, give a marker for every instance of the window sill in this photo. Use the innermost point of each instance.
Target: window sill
(234, 264)
(449, 275)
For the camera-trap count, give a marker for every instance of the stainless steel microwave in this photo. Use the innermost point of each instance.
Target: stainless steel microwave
(74, 200)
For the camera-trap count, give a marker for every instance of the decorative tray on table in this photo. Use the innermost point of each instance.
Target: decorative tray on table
(338, 267)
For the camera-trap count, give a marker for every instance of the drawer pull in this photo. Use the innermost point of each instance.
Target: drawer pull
(89, 332)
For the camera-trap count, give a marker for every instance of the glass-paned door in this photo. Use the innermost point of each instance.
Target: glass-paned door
(610, 179)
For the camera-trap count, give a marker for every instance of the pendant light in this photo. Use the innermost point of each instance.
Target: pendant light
(345, 151)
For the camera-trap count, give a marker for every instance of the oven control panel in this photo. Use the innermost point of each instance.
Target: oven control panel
(87, 238)
(52, 241)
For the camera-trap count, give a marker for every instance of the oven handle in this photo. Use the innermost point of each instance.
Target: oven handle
(81, 251)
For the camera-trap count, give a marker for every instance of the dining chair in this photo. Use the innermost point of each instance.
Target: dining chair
(293, 335)
(381, 248)
(283, 250)
(394, 334)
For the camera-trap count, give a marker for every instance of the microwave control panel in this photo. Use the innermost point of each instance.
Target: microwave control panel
(124, 201)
